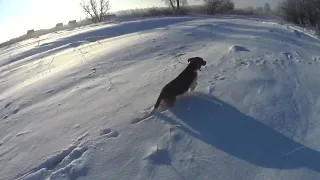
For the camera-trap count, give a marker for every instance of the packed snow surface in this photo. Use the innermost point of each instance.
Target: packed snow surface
(72, 103)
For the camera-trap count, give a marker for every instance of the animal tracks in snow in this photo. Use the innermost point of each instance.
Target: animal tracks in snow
(70, 162)
(287, 57)
(316, 58)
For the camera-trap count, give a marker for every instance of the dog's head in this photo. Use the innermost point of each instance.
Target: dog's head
(197, 62)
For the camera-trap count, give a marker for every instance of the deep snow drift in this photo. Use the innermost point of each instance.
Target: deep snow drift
(72, 102)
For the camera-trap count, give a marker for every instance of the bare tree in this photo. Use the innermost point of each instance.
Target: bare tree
(267, 8)
(95, 9)
(291, 10)
(221, 6)
(303, 12)
(311, 11)
(226, 6)
(176, 4)
(212, 5)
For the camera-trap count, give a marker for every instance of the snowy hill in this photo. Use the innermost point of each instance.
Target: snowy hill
(72, 102)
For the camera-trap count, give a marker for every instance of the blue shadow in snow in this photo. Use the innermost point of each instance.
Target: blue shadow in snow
(224, 127)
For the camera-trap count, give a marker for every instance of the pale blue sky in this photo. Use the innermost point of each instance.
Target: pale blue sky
(17, 16)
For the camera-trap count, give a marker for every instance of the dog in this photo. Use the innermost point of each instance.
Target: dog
(184, 82)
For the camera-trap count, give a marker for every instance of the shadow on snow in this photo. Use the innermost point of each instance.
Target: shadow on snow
(221, 125)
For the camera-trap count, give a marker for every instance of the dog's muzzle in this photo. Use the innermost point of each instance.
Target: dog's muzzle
(203, 64)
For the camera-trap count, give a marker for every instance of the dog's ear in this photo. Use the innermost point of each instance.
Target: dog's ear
(190, 59)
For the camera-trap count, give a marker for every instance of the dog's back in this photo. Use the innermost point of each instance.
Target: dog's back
(182, 83)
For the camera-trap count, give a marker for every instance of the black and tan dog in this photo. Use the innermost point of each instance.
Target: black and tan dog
(186, 81)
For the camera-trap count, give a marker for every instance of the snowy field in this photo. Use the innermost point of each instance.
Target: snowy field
(71, 102)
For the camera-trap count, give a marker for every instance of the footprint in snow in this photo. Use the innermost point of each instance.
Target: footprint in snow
(288, 55)
(16, 111)
(316, 58)
(211, 89)
(105, 131)
(159, 156)
(219, 78)
(7, 105)
(145, 116)
(109, 133)
(83, 136)
(50, 91)
(76, 126)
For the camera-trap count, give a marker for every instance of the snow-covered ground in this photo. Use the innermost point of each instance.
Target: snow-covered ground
(71, 102)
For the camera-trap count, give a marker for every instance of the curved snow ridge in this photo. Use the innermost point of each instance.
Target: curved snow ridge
(237, 48)
(22, 133)
(299, 31)
(70, 162)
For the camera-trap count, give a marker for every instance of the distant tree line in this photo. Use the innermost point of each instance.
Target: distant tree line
(209, 6)
(215, 7)
(302, 12)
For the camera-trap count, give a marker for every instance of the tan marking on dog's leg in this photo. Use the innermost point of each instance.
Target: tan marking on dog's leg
(170, 101)
(193, 84)
(163, 106)
(167, 103)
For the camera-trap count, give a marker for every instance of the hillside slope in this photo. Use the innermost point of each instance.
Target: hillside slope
(72, 102)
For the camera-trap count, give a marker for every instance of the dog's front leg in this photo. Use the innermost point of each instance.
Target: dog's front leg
(193, 85)
(192, 88)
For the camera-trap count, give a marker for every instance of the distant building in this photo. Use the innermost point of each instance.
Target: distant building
(59, 25)
(30, 32)
(72, 23)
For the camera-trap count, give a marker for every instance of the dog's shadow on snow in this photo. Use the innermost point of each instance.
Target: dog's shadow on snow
(224, 127)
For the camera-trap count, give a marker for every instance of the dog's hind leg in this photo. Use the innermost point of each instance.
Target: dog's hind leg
(169, 102)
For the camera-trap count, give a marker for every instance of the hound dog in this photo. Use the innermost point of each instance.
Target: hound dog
(184, 82)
